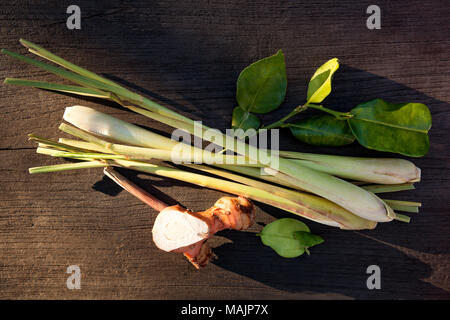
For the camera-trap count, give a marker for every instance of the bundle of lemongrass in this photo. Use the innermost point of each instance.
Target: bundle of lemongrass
(316, 187)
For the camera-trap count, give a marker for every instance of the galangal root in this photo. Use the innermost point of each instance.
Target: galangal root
(177, 229)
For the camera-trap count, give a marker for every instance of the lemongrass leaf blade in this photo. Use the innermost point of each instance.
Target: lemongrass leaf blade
(58, 87)
(38, 50)
(67, 166)
(74, 77)
(389, 188)
(402, 218)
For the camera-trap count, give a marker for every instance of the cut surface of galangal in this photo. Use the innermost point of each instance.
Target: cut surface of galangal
(176, 227)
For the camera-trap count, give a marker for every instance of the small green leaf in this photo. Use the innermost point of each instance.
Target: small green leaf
(261, 87)
(320, 84)
(307, 239)
(393, 127)
(244, 120)
(323, 130)
(282, 236)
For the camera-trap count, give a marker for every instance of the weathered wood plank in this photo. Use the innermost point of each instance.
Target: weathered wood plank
(188, 55)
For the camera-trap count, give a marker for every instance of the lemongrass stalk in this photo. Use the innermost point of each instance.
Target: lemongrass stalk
(37, 50)
(67, 166)
(389, 188)
(258, 173)
(226, 186)
(381, 170)
(296, 196)
(53, 144)
(407, 206)
(84, 145)
(405, 203)
(240, 189)
(402, 217)
(404, 208)
(354, 199)
(109, 127)
(308, 202)
(141, 153)
(343, 193)
(371, 214)
(101, 82)
(75, 155)
(204, 181)
(77, 78)
(184, 154)
(59, 87)
(369, 205)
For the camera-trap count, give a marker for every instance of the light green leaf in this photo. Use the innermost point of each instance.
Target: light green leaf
(393, 127)
(282, 236)
(320, 84)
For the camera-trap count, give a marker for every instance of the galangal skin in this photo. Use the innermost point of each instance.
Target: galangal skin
(237, 213)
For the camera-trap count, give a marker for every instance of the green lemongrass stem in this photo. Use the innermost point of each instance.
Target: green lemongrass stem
(405, 203)
(296, 196)
(146, 153)
(180, 154)
(389, 213)
(77, 78)
(37, 50)
(67, 166)
(404, 208)
(84, 145)
(312, 214)
(343, 193)
(197, 179)
(110, 127)
(84, 75)
(381, 170)
(260, 174)
(58, 145)
(77, 155)
(140, 153)
(407, 206)
(294, 206)
(234, 188)
(308, 202)
(257, 173)
(389, 188)
(59, 87)
(402, 217)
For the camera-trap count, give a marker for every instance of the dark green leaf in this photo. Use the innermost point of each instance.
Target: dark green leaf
(261, 87)
(394, 127)
(282, 236)
(320, 84)
(244, 120)
(323, 130)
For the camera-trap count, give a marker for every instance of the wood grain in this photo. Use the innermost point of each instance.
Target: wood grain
(188, 55)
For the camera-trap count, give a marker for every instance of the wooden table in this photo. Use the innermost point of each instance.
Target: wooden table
(188, 55)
